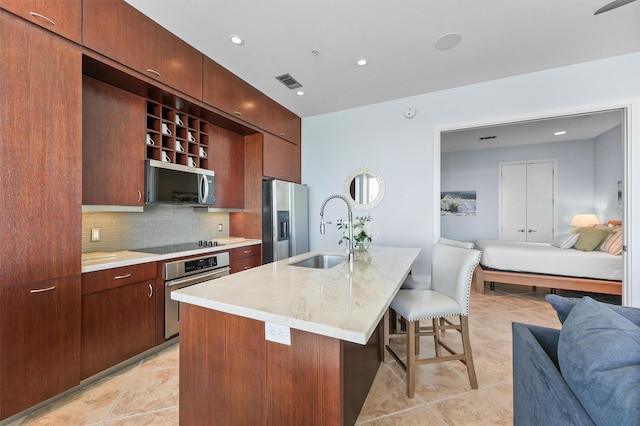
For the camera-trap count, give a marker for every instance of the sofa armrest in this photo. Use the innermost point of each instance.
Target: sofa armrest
(540, 394)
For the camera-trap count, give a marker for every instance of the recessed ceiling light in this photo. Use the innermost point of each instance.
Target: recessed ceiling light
(236, 39)
(362, 62)
(299, 93)
(448, 41)
(560, 133)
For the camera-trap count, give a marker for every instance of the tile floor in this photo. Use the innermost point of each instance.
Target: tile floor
(146, 393)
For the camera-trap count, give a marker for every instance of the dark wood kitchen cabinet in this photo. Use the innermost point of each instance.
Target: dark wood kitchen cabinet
(227, 161)
(120, 32)
(63, 17)
(40, 189)
(118, 316)
(243, 258)
(113, 145)
(41, 151)
(281, 122)
(281, 159)
(40, 342)
(229, 93)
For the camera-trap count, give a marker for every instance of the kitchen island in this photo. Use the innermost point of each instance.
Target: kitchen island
(231, 374)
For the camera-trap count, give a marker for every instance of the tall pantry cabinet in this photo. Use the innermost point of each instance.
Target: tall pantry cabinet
(40, 203)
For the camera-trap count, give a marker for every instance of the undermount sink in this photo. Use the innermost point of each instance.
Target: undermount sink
(321, 261)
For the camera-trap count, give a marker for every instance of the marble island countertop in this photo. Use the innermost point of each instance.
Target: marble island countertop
(97, 261)
(336, 302)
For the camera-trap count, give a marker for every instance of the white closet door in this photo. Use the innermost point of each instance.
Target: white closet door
(526, 201)
(540, 202)
(513, 198)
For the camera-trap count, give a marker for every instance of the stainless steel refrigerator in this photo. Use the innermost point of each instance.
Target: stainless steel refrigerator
(285, 220)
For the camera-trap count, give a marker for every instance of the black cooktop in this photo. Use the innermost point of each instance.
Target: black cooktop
(176, 248)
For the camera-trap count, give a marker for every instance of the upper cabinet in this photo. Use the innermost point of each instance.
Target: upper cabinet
(113, 151)
(119, 32)
(281, 122)
(227, 162)
(62, 17)
(281, 159)
(225, 91)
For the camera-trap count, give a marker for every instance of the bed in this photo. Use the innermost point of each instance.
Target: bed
(545, 265)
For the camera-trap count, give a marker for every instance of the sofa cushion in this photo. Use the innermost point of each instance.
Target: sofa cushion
(599, 357)
(563, 306)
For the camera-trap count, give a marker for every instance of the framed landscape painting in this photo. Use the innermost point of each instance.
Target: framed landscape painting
(458, 203)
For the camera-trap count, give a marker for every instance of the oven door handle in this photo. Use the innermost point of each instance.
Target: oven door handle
(198, 278)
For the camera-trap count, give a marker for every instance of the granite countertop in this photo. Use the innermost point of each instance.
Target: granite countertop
(98, 261)
(334, 302)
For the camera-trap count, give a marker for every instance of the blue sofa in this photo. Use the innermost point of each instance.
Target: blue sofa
(586, 373)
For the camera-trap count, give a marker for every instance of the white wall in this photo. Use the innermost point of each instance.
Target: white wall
(379, 136)
(607, 174)
(479, 171)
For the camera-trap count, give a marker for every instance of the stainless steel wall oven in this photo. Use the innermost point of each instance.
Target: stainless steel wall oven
(186, 272)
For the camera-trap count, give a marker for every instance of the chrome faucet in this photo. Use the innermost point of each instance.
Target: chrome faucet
(349, 217)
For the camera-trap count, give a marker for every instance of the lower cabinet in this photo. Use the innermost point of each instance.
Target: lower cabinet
(247, 257)
(117, 322)
(39, 342)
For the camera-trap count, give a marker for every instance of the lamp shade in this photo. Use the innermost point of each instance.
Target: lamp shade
(584, 219)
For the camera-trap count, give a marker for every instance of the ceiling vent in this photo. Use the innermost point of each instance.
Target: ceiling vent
(288, 81)
(486, 138)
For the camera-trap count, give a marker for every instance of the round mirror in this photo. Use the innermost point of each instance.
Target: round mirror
(365, 188)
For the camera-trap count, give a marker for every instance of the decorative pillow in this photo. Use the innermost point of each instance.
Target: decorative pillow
(456, 243)
(599, 358)
(613, 243)
(589, 238)
(563, 306)
(565, 241)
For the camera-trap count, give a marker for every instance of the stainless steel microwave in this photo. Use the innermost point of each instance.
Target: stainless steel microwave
(175, 184)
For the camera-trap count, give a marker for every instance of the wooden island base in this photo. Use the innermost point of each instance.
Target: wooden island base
(231, 375)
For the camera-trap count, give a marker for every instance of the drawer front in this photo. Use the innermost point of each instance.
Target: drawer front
(245, 263)
(117, 277)
(247, 251)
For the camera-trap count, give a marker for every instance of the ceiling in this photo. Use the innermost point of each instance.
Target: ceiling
(500, 38)
(577, 127)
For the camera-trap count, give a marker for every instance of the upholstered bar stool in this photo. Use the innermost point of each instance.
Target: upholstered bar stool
(423, 282)
(452, 271)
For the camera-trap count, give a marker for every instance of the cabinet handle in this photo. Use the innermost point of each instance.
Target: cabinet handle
(40, 290)
(237, 112)
(247, 267)
(154, 72)
(247, 251)
(150, 291)
(521, 230)
(283, 134)
(122, 276)
(139, 195)
(43, 18)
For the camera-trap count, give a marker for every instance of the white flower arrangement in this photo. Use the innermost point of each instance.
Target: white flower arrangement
(364, 231)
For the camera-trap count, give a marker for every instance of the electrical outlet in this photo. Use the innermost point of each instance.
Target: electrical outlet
(277, 333)
(219, 227)
(95, 234)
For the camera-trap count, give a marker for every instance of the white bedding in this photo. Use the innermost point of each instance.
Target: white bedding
(542, 258)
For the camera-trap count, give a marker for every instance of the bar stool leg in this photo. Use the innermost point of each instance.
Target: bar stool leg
(411, 357)
(466, 344)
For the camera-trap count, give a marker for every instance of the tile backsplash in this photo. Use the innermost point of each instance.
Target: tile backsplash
(156, 226)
